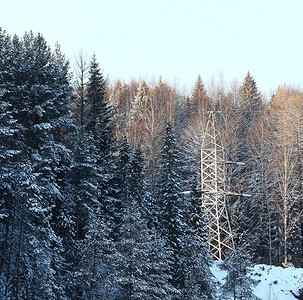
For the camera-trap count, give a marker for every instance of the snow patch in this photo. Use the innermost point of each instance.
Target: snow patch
(276, 283)
(218, 273)
(272, 283)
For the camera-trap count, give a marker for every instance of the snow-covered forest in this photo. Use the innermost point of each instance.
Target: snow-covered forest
(93, 175)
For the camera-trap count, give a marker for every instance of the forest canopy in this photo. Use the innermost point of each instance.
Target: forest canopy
(93, 175)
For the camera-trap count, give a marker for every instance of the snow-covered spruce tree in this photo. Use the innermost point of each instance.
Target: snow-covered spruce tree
(97, 252)
(118, 183)
(99, 112)
(95, 98)
(83, 179)
(249, 178)
(141, 259)
(171, 205)
(8, 159)
(157, 274)
(194, 213)
(99, 122)
(93, 244)
(37, 89)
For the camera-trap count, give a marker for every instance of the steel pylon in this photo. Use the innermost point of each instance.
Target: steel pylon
(214, 210)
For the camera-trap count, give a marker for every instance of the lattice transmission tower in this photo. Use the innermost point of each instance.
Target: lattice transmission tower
(219, 235)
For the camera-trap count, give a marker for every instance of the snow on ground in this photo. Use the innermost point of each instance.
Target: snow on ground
(272, 283)
(275, 283)
(218, 273)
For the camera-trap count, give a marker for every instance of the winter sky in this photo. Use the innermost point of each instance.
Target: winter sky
(177, 39)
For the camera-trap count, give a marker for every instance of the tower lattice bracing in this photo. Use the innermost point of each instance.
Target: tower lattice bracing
(218, 230)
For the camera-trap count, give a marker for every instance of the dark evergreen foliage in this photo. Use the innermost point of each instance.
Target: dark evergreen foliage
(36, 88)
(190, 259)
(142, 269)
(171, 204)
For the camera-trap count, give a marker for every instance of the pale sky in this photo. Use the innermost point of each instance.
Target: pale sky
(177, 39)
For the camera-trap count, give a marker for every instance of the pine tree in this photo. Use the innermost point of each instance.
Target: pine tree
(93, 245)
(95, 97)
(100, 125)
(171, 204)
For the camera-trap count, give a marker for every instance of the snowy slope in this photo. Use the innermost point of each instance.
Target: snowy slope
(273, 283)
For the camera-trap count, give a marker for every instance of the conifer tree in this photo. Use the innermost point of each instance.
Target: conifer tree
(199, 99)
(84, 178)
(250, 100)
(171, 204)
(249, 92)
(249, 109)
(100, 125)
(99, 112)
(95, 97)
(141, 262)
(92, 243)
(8, 151)
(37, 89)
